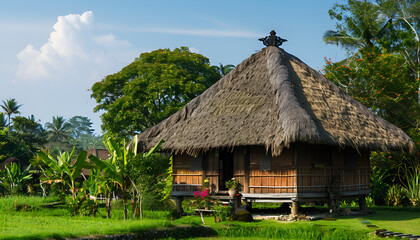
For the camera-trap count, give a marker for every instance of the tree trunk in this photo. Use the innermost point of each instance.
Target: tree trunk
(201, 215)
(108, 200)
(124, 199)
(140, 207)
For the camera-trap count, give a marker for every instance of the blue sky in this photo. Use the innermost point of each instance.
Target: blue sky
(53, 51)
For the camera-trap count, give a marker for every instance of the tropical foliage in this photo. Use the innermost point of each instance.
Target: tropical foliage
(151, 88)
(382, 72)
(10, 107)
(13, 179)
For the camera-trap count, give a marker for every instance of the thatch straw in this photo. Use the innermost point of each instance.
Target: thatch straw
(273, 99)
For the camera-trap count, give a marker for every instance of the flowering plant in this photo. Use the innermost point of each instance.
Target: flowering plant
(206, 183)
(201, 199)
(233, 184)
(204, 195)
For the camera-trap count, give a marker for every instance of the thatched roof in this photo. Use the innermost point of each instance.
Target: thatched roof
(11, 160)
(102, 154)
(273, 99)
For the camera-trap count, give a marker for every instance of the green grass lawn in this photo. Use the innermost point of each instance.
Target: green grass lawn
(39, 223)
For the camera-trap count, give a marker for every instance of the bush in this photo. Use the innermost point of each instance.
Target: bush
(222, 213)
(378, 188)
(155, 203)
(397, 196)
(370, 202)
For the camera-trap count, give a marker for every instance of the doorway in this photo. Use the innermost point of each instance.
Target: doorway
(226, 168)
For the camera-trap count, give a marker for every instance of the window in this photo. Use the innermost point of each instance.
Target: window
(265, 161)
(196, 163)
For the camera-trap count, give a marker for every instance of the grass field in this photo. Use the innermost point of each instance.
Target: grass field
(37, 222)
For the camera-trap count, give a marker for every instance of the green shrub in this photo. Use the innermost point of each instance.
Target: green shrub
(222, 213)
(413, 185)
(155, 203)
(370, 202)
(396, 196)
(378, 188)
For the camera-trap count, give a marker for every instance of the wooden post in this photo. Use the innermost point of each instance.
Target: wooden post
(246, 166)
(237, 202)
(178, 202)
(295, 209)
(362, 204)
(249, 206)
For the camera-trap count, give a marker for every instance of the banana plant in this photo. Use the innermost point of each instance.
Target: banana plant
(13, 179)
(115, 168)
(61, 170)
(93, 187)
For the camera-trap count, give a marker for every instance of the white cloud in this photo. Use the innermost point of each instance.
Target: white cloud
(204, 32)
(226, 32)
(74, 50)
(110, 40)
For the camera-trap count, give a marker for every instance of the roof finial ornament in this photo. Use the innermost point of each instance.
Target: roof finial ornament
(272, 40)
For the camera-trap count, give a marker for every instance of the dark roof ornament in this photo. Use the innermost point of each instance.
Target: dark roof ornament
(272, 40)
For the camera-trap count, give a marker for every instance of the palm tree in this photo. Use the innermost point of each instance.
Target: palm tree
(58, 130)
(3, 121)
(225, 69)
(360, 29)
(10, 107)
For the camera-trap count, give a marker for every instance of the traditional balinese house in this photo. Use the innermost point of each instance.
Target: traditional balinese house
(284, 131)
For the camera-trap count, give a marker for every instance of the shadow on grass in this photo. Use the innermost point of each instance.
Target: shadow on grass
(385, 214)
(177, 232)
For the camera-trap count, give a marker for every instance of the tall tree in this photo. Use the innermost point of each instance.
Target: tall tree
(3, 121)
(389, 25)
(29, 134)
(401, 33)
(58, 130)
(80, 125)
(10, 107)
(151, 88)
(224, 69)
(358, 24)
(384, 73)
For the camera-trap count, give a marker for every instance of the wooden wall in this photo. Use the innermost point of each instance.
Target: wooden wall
(211, 170)
(187, 176)
(318, 166)
(303, 168)
(280, 177)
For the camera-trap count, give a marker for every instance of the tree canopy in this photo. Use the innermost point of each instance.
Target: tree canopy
(383, 73)
(148, 90)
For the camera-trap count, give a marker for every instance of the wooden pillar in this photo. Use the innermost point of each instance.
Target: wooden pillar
(333, 205)
(178, 202)
(249, 206)
(362, 204)
(295, 209)
(246, 166)
(237, 202)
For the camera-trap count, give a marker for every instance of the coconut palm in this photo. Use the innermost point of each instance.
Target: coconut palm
(359, 29)
(225, 69)
(58, 130)
(10, 107)
(3, 121)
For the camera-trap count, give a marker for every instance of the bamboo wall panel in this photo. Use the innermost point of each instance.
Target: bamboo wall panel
(280, 179)
(183, 178)
(212, 170)
(240, 169)
(274, 181)
(351, 167)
